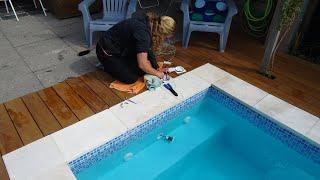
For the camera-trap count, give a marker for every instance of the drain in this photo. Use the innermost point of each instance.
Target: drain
(187, 119)
(128, 156)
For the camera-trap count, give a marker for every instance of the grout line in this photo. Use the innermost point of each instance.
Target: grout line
(35, 42)
(79, 119)
(62, 101)
(315, 124)
(95, 111)
(22, 58)
(127, 128)
(43, 135)
(65, 103)
(254, 105)
(23, 144)
(48, 108)
(87, 85)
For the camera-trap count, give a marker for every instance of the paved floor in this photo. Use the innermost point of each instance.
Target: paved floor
(38, 52)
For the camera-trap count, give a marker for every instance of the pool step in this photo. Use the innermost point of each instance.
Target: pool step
(159, 156)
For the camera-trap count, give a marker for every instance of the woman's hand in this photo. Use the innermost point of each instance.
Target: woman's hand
(145, 65)
(160, 74)
(164, 70)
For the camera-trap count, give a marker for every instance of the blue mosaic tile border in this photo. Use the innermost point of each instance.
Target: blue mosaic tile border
(287, 137)
(117, 143)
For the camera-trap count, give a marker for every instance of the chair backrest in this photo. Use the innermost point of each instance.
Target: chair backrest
(115, 6)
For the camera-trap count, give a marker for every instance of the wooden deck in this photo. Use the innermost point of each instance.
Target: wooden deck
(28, 118)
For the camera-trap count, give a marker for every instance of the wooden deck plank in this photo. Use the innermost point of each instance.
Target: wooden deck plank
(89, 96)
(41, 114)
(75, 103)
(104, 92)
(9, 138)
(282, 87)
(107, 79)
(178, 62)
(57, 107)
(23, 121)
(245, 67)
(3, 171)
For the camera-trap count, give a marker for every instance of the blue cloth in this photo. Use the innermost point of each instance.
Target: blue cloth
(208, 13)
(152, 82)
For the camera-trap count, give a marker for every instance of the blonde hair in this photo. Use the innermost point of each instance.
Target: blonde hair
(160, 27)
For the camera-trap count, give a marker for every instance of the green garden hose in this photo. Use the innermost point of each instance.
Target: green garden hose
(257, 24)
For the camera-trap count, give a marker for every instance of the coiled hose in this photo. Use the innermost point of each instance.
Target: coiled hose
(257, 24)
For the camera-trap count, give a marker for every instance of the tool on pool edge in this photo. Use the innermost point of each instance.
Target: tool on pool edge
(166, 77)
(169, 87)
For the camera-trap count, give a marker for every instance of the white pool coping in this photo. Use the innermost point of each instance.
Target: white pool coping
(48, 157)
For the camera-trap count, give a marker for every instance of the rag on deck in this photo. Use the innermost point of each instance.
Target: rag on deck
(136, 87)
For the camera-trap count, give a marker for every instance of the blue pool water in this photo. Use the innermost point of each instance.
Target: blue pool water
(210, 142)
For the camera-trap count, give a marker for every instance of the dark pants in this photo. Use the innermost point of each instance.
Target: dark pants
(124, 69)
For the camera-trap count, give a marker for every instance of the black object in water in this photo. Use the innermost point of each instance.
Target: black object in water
(169, 138)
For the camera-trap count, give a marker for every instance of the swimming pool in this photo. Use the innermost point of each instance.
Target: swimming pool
(214, 137)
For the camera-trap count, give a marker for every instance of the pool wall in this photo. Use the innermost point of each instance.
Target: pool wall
(115, 144)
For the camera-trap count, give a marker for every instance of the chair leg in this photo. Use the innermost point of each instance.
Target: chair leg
(43, 9)
(5, 2)
(221, 43)
(224, 35)
(35, 4)
(187, 38)
(90, 39)
(183, 37)
(14, 11)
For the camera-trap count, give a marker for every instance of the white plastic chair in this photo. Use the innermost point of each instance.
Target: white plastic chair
(7, 8)
(43, 9)
(14, 11)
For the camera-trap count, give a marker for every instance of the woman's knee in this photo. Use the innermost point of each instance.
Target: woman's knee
(129, 80)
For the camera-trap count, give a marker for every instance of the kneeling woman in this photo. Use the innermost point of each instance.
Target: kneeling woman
(127, 49)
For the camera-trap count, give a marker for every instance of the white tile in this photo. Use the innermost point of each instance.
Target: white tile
(33, 159)
(148, 104)
(240, 89)
(47, 53)
(57, 73)
(27, 30)
(287, 114)
(61, 172)
(314, 133)
(187, 85)
(76, 42)
(9, 57)
(64, 31)
(88, 134)
(17, 81)
(209, 73)
(53, 22)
